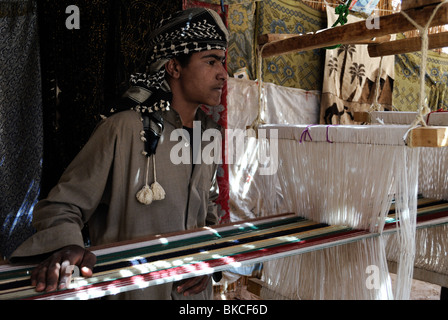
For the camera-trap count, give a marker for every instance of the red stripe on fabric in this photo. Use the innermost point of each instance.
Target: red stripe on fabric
(200, 266)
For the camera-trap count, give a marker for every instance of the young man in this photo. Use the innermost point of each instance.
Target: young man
(108, 183)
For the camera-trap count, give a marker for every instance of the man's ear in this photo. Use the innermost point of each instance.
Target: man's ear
(173, 67)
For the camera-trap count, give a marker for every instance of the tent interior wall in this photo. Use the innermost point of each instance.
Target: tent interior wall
(77, 73)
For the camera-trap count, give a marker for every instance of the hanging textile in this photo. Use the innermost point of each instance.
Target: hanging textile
(349, 82)
(407, 86)
(241, 23)
(20, 121)
(302, 70)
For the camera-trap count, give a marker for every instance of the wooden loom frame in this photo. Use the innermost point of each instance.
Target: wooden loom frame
(379, 44)
(284, 227)
(240, 242)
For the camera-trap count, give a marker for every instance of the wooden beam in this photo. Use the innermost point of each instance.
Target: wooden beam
(412, 4)
(361, 116)
(428, 137)
(272, 37)
(357, 31)
(422, 274)
(436, 40)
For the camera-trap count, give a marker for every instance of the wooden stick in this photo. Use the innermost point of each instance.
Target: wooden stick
(436, 40)
(272, 37)
(358, 31)
(428, 137)
(412, 4)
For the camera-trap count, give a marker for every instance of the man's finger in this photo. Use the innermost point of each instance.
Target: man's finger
(65, 274)
(87, 264)
(39, 277)
(53, 272)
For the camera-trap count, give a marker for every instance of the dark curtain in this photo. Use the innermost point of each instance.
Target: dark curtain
(85, 69)
(20, 121)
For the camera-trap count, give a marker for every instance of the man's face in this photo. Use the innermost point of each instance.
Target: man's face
(202, 80)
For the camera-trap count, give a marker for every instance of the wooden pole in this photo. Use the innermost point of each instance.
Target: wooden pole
(412, 4)
(436, 40)
(358, 31)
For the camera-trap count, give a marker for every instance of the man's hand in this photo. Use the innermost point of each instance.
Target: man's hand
(193, 286)
(52, 273)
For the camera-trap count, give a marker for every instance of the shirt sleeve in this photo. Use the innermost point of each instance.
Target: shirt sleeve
(60, 217)
(212, 210)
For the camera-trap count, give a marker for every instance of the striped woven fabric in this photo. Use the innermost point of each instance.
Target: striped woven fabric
(135, 265)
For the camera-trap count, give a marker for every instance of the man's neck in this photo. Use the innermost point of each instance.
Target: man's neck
(187, 115)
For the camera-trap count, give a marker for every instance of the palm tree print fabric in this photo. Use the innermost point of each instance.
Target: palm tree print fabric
(349, 82)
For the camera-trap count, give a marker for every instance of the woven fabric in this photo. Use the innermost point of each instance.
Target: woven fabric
(349, 82)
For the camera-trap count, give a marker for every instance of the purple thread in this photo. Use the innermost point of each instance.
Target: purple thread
(328, 140)
(305, 133)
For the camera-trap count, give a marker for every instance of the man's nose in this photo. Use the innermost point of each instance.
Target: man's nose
(222, 74)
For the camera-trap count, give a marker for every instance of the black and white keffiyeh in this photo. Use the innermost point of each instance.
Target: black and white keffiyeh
(184, 32)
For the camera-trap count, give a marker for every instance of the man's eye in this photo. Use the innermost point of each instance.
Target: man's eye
(213, 62)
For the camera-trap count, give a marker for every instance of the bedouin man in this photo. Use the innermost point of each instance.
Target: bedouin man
(123, 182)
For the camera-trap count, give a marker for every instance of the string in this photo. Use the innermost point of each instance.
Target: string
(305, 133)
(375, 105)
(328, 140)
(258, 120)
(147, 171)
(422, 108)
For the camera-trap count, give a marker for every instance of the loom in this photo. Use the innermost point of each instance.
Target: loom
(414, 15)
(432, 242)
(347, 175)
(166, 258)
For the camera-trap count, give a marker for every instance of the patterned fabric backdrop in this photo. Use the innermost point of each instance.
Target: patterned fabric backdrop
(241, 23)
(407, 81)
(303, 70)
(20, 121)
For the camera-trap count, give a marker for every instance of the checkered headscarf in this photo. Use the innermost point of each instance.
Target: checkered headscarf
(184, 32)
